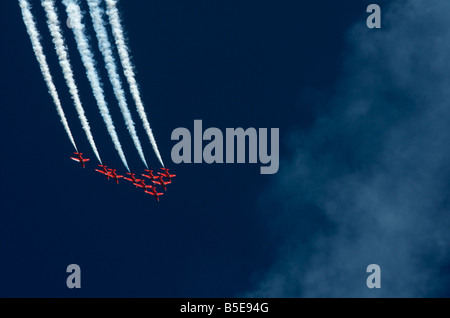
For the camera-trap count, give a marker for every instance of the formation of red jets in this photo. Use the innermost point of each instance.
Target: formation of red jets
(157, 179)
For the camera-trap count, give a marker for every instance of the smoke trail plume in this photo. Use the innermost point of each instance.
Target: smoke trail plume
(63, 57)
(114, 20)
(105, 47)
(73, 10)
(40, 56)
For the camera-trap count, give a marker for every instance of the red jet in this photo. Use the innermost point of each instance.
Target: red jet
(112, 174)
(80, 159)
(154, 193)
(141, 184)
(166, 174)
(132, 179)
(159, 180)
(150, 175)
(104, 171)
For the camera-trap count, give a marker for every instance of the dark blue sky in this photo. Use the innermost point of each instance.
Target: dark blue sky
(230, 63)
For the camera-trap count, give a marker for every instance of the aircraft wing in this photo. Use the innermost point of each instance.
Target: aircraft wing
(105, 173)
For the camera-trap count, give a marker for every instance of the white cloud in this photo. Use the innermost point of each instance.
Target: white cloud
(369, 182)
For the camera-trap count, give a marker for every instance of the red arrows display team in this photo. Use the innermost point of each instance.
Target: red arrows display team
(138, 183)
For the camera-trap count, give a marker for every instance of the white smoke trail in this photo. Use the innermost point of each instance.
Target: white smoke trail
(40, 56)
(105, 47)
(116, 25)
(63, 57)
(73, 10)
